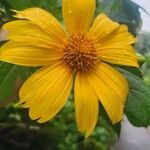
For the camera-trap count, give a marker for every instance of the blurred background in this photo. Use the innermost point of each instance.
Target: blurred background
(17, 131)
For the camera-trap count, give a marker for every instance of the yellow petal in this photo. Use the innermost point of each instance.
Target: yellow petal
(27, 55)
(121, 55)
(86, 105)
(111, 88)
(78, 14)
(116, 48)
(46, 92)
(25, 27)
(45, 21)
(26, 32)
(102, 27)
(120, 37)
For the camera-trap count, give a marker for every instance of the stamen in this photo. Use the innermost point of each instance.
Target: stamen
(80, 53)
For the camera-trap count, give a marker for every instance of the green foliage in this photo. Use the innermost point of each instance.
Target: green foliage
(59, 134)
(143, 46)
(5, 14)
(23, 4)
(8, 77)
(11, 78)
(138, 103)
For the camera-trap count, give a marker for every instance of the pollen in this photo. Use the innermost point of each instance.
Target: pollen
(80, 53)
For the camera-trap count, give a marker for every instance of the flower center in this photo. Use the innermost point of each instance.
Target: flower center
(80, 53)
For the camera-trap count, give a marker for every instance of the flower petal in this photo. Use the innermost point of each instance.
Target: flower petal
(120, 37)
(45, 21)
(111, 88)
(27, 55)
(26, 32)
(124, 55)
(102, 27)
(46, 92)
(86, 105)
(116, 48)
(25, 27)
(78, 14)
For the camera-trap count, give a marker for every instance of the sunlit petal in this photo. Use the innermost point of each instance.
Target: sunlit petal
(116, 48)
(46, 92)
(86, 105)
(78, 14)
(24, 31)
(111, 88)
(27, 55)
(102, 27)
(45, 21)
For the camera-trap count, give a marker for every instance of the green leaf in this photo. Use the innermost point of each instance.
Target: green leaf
(10, 75)
(56, 8)
(23, 4)
(103, 6)
(19, 4)
(137, 107)
(133, 70)
(126, 12)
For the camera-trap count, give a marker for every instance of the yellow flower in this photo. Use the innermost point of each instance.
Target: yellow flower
(81, 52)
